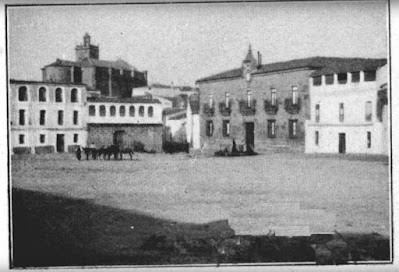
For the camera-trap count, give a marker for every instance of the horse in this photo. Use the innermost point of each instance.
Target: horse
(116, 150)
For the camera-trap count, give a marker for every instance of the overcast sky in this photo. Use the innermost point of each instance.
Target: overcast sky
(184, 42)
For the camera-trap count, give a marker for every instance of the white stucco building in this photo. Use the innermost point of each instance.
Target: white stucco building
(46, 117)
(345, 114)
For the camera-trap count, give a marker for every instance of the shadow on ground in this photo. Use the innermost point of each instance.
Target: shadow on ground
(51, 230)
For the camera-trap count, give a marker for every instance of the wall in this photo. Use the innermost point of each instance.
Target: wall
(261, 90)
(57, 74)
(148, 134)
(32, 128)
(127, 119)
(354, 96)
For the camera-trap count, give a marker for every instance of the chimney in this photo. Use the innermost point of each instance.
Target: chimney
(259, 60)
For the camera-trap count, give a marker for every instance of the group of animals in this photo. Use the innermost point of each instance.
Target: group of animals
(104, 152)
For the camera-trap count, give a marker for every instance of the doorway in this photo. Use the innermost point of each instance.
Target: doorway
(342, 143)
(119, 136)
(250, 136)
(60, 143)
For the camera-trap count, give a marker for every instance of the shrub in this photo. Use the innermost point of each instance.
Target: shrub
(21, 150)
(44, 149)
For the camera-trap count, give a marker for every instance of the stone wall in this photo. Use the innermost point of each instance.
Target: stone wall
(149, 135)
(260, 87)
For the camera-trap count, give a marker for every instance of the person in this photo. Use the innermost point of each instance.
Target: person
(234, 150)
(79, 153)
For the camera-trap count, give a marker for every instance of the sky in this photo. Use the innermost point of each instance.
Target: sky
(182, 43)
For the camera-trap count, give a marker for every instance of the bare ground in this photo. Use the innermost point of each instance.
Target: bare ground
(288, 194)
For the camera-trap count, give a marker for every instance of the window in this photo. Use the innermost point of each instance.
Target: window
(226, 99)
(23, 93)
(317, 81)
(42, 94)
(60, 117)
(355, 76)
(342, 78)
(293, 128)
(131, 111)
(74, 95)
(42, 118)
(112, 111)
(209, 128)
(369, 112)
(150, 111)
(369, 75)
(274, 97)
(294, 95)
(22, 117)
(316, 138)
(329, 79)
(75, 138)
(341, 112)
(58, 95)
(368, 139)
(75, 117)
(122, 111)
(210, 101)
(92, 110)
(141, 111)
(226, 128)
(102, 110)
(271, 128)
(317, 113)
(249, 94)
(21, 138)
(42, 138)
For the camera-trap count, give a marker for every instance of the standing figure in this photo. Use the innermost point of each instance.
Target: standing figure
(79, 153)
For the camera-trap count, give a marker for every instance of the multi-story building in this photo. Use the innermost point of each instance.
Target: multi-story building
(348, 109)
(106, 78)
(126, 121)
(259, 106)
(46, 117)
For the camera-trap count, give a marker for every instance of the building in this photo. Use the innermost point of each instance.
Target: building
(102, 77)
(131, 122)
(46, 117)
(348, 108)
(259, 106)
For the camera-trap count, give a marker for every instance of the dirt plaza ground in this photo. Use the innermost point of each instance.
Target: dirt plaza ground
(287, 194)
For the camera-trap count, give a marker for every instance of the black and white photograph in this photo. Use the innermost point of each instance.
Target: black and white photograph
(191, 134)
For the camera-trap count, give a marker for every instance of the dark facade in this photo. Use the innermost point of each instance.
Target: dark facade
(259, 106)
(109, 78)
(147, 135)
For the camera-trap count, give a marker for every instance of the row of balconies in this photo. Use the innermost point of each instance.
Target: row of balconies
(248, 109)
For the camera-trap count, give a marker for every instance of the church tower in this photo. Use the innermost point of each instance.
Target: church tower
(87, 50)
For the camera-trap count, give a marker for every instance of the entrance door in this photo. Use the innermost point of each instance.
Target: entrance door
(119, 138)
(60, 143)
(342, 144)
(250, 136)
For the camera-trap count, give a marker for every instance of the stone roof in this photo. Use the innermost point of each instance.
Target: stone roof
(322, 65)
(128, 100)
(118, 64)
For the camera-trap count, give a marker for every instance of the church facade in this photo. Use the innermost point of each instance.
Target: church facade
(102, 77)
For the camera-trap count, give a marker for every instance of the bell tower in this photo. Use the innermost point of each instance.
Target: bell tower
(87, 50)
(248, 64)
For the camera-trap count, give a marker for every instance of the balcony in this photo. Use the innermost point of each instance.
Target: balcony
(224, 109)
(269, 108)
(208, 110)
(247, 110)
(292, 108)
